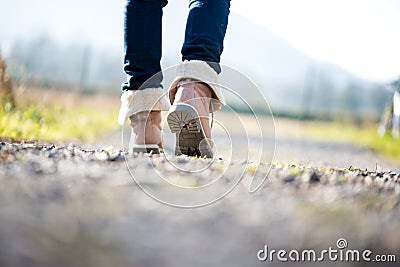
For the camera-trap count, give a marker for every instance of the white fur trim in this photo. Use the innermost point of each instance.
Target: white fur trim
(201, 71)
(134, 101)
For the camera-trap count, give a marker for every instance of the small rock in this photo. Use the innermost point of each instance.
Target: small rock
(116, 156)
(101, 156)
(289, 179)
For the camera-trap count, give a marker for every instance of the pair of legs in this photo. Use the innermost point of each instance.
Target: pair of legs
(203, 45)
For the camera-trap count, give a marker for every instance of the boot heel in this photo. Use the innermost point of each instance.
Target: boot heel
(145, 148)
(150, 149)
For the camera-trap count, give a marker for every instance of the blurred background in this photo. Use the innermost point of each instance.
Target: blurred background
(330, 58)
(327, 68)
(314, 60)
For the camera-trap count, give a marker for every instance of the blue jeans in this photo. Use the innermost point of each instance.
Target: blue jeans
(204, 36)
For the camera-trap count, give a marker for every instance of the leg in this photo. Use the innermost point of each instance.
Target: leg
(143, 97)
(205, 31)
(195, 92)
(143, 43)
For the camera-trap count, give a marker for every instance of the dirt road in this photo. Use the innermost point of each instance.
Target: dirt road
(78, 206)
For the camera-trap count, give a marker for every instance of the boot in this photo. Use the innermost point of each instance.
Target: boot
(143, 108)
(146, 130)
(188, 117)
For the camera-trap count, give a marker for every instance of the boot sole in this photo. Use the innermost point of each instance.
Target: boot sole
(144, 148)
(150, 149)
(184, 121)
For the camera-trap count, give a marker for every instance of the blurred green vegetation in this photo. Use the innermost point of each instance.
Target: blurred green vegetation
(30, 121)
(366, 135)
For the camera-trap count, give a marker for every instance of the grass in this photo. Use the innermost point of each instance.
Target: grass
(60, 116)
(366, 136)
(54, 122)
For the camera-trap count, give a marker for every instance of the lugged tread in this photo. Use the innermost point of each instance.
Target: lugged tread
(188, 132)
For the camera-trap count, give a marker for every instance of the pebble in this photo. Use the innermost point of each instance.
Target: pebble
(59, 199)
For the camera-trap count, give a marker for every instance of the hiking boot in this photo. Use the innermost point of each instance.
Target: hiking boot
(146, 129)
(188, 118)
(143, 108)
(194, 94)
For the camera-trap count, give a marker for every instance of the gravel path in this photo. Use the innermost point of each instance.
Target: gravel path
(76, 206)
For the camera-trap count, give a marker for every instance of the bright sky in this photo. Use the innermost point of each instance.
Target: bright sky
(362, 36)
